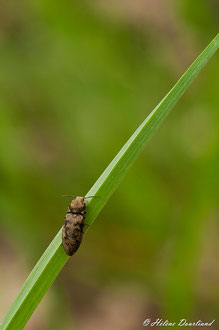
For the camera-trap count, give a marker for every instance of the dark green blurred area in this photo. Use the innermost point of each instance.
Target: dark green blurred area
(76, 80)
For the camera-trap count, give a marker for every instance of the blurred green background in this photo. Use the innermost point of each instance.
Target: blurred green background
(76, 79)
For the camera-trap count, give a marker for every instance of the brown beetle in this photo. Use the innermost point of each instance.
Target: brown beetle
(72, 231)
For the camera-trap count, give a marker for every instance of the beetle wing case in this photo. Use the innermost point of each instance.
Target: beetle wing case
(72, 232)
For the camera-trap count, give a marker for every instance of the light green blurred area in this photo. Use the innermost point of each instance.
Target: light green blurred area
(76, 79)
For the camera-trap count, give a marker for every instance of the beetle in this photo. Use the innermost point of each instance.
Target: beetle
(73, 229)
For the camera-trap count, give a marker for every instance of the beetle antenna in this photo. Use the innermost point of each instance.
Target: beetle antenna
(76, 196)
(91, 196)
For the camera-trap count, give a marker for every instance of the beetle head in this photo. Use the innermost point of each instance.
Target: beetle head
(78, 205)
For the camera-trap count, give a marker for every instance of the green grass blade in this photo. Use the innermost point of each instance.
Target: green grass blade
(54, 258)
